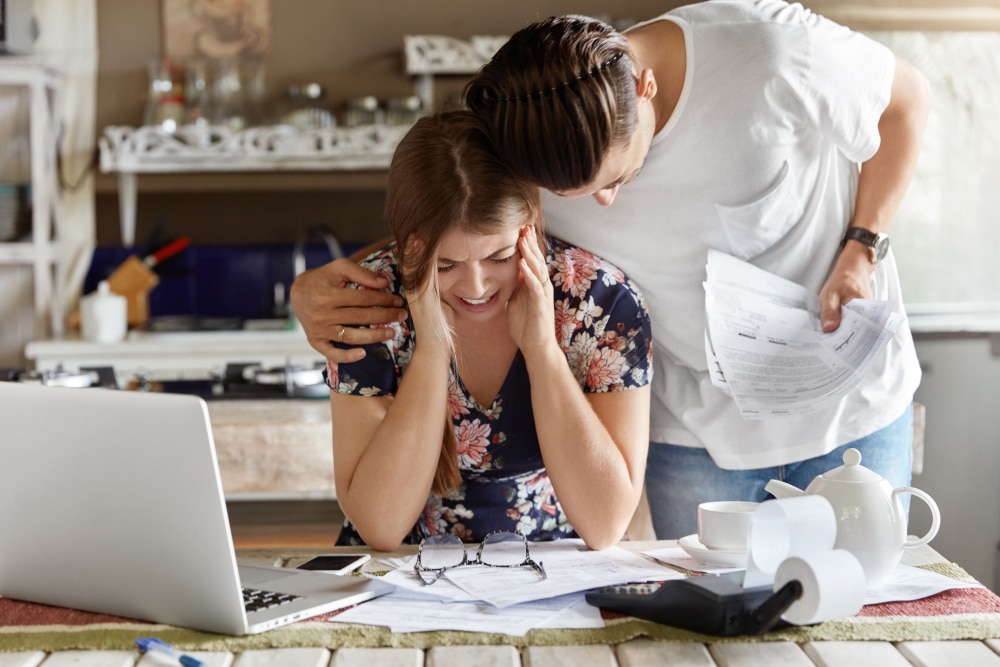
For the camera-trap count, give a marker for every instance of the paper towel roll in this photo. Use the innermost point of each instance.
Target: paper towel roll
(833, 586)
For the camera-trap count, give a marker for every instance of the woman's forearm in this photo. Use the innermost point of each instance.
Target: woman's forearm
(393, 475)
(594, 447)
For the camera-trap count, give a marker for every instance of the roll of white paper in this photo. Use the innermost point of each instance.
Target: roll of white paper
(833, 586)
(787, 527)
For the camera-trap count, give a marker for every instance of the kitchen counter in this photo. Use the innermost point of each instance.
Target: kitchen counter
(175, 355)
(274, 448)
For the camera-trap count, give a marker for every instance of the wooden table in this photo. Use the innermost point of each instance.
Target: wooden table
(632, 653)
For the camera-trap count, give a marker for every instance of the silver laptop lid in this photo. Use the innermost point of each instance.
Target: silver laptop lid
(111, 501)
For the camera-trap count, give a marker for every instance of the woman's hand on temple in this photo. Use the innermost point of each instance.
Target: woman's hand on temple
(530, 315)
(432, 319)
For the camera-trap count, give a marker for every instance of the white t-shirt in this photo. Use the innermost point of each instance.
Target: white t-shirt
(760, 159)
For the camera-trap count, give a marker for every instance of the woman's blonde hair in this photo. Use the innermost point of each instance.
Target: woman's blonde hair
(446, 175)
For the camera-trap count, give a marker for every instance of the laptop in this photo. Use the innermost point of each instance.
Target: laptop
(111, 502)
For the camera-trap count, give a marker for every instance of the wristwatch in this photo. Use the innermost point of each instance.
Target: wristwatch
(878, 243)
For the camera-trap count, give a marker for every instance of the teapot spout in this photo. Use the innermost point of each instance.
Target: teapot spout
(780, 489)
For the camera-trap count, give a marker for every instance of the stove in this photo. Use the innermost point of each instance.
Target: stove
(212, 364)
(237, 381)
(101, 376)
(244, 380)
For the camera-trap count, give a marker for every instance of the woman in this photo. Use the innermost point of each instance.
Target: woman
(516, 395)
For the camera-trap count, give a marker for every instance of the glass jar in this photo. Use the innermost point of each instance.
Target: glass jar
(165, 101)
(304, 107)
(403, 110)
(229, 107)
(365, 110)
(197, 98)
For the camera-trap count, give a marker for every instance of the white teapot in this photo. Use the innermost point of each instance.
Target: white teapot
(871, 522)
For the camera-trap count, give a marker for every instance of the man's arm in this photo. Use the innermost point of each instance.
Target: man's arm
(330, 311)
(881, 186)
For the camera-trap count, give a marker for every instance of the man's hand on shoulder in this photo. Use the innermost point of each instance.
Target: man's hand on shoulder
(330, 311)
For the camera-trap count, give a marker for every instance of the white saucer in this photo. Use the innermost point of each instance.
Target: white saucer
(714, 557)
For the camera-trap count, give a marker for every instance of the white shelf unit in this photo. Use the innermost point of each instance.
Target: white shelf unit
(128, 151)
(42, 252)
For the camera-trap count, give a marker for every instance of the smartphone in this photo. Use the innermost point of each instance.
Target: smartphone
(336, 563)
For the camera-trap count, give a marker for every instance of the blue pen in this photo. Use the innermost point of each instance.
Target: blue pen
(153, 644)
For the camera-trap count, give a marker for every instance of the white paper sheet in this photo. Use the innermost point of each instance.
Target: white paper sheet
(404, 577)
(677, 557)
(570, 567)
(766, 348)
(912, 583)
(407, 612)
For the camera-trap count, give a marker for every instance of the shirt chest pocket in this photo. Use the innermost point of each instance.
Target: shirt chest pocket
(754, 227)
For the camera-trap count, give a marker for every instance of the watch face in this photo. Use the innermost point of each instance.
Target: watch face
(878, 243)
(881, 248)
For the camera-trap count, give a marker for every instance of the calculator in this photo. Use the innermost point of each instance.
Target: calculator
(709, 604)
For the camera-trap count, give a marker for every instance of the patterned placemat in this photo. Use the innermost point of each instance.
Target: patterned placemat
(966, 613)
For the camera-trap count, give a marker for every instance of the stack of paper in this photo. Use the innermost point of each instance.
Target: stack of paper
(510, 601)
(766, 347)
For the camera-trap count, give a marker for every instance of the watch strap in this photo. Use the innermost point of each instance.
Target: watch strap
(877, 244)
(869, 238)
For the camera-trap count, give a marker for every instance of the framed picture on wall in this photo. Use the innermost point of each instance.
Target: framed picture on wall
(216, 28)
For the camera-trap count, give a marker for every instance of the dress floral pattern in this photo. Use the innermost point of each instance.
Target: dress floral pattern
(603, 327)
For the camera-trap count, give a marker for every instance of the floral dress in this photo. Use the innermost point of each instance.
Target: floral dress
(603, 327)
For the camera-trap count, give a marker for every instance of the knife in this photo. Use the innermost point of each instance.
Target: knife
(166, 251)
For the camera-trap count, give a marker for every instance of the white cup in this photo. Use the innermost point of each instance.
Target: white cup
(724, 524)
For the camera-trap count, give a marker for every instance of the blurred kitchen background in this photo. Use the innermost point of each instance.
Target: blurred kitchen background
(249, 138)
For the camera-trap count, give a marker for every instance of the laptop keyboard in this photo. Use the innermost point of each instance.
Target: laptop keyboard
(255, 600)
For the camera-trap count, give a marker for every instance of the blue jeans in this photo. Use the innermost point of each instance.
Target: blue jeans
(679, 478)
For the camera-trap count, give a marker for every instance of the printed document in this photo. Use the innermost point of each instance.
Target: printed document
(569, 565)
(766, 348)
(512, 601)
(405, 611)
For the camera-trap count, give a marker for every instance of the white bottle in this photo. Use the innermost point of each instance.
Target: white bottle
(104, 315)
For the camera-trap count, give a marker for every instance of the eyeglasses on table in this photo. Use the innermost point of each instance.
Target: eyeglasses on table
(503, 548)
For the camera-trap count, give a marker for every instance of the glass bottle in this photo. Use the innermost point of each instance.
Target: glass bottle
(228, 105)
(165, 101)
(197, 98)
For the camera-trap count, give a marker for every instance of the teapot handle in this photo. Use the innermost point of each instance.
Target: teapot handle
(935, 516)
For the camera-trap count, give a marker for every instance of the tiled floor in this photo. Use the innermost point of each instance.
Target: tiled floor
(284, 523)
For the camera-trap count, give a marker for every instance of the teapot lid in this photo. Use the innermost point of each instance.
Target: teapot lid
(852, 470)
